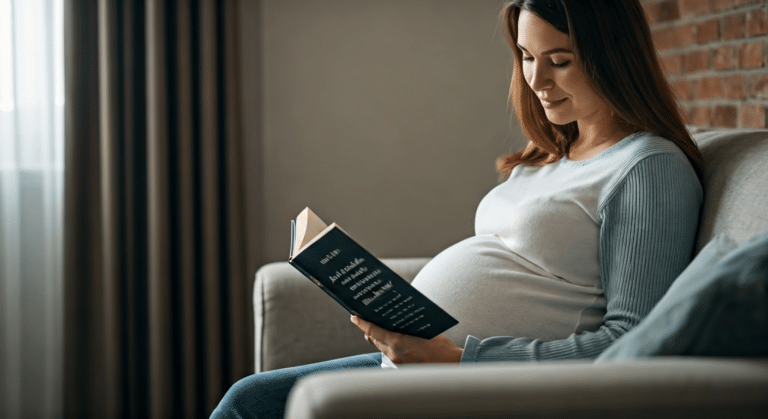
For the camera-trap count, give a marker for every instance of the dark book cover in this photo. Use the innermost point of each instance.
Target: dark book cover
(366, 287)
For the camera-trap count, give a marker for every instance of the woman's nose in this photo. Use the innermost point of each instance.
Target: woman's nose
(540, 78)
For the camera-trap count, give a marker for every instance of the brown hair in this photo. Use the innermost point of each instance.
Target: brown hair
(612, 41)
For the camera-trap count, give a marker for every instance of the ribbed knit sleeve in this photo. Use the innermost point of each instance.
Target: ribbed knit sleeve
(649, 223)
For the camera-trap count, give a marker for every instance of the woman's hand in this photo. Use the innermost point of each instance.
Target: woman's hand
(405, 349)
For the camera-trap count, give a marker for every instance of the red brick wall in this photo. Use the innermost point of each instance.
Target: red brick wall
(715, 55)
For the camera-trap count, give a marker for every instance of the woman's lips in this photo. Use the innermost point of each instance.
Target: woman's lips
(548, 105)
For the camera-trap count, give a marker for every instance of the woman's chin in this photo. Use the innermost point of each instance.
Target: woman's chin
(558, 118)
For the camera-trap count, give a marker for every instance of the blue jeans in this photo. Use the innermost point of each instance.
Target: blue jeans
(264, 395)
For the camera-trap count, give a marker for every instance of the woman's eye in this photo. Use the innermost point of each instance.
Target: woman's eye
(554, 64)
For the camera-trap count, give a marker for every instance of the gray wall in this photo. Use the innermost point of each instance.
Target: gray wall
(385, 116)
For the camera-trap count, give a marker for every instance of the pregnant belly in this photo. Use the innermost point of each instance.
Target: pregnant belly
(492, 291)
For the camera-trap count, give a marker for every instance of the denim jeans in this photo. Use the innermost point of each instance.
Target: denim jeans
(264, 395)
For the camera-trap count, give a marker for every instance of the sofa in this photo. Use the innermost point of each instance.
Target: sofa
(296, 323)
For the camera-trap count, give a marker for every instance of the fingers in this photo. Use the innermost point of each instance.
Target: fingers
(367, 327)
(403, 348)
(364, 326)
(371, 331)
(375, 335)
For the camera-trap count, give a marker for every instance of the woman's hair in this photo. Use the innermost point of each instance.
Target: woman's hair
(612, 42)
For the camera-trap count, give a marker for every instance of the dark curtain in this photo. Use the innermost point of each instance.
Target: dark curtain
(155, 285)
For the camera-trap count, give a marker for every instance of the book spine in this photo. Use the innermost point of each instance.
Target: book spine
(323, 287)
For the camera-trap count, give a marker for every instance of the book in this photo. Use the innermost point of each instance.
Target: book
(360, 282)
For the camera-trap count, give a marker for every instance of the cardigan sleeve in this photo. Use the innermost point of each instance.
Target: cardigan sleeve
(647, 238)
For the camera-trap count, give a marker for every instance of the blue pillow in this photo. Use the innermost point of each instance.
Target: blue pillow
(718, 306)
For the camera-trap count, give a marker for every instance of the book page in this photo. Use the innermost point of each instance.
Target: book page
(308, 226)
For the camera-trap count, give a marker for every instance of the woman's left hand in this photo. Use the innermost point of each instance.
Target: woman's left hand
(406, 349)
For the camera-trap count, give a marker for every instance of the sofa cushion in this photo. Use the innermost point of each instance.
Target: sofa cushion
(718, 306)
(735, 183)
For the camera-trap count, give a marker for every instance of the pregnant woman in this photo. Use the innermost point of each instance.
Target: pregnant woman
(596, 218)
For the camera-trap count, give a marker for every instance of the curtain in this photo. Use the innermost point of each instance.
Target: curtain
(156, 319)
(31, 171)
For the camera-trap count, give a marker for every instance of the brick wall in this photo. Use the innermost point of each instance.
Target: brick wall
(715, 54)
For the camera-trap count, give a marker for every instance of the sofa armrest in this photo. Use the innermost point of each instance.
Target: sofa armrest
(296, 323)
(659, 388)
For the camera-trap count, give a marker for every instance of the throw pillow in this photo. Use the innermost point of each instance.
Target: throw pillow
(718, 306)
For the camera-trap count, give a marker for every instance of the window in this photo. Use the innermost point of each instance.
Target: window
(31, 182)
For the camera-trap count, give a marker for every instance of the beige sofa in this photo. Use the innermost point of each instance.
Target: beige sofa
(296, 323)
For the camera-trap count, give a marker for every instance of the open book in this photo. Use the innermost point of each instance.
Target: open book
(360, 282)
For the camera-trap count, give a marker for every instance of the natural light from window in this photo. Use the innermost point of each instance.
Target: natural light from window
(6, 70)
(31, 84)
(31, 208)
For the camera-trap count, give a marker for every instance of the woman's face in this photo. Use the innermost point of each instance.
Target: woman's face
(550, 69)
